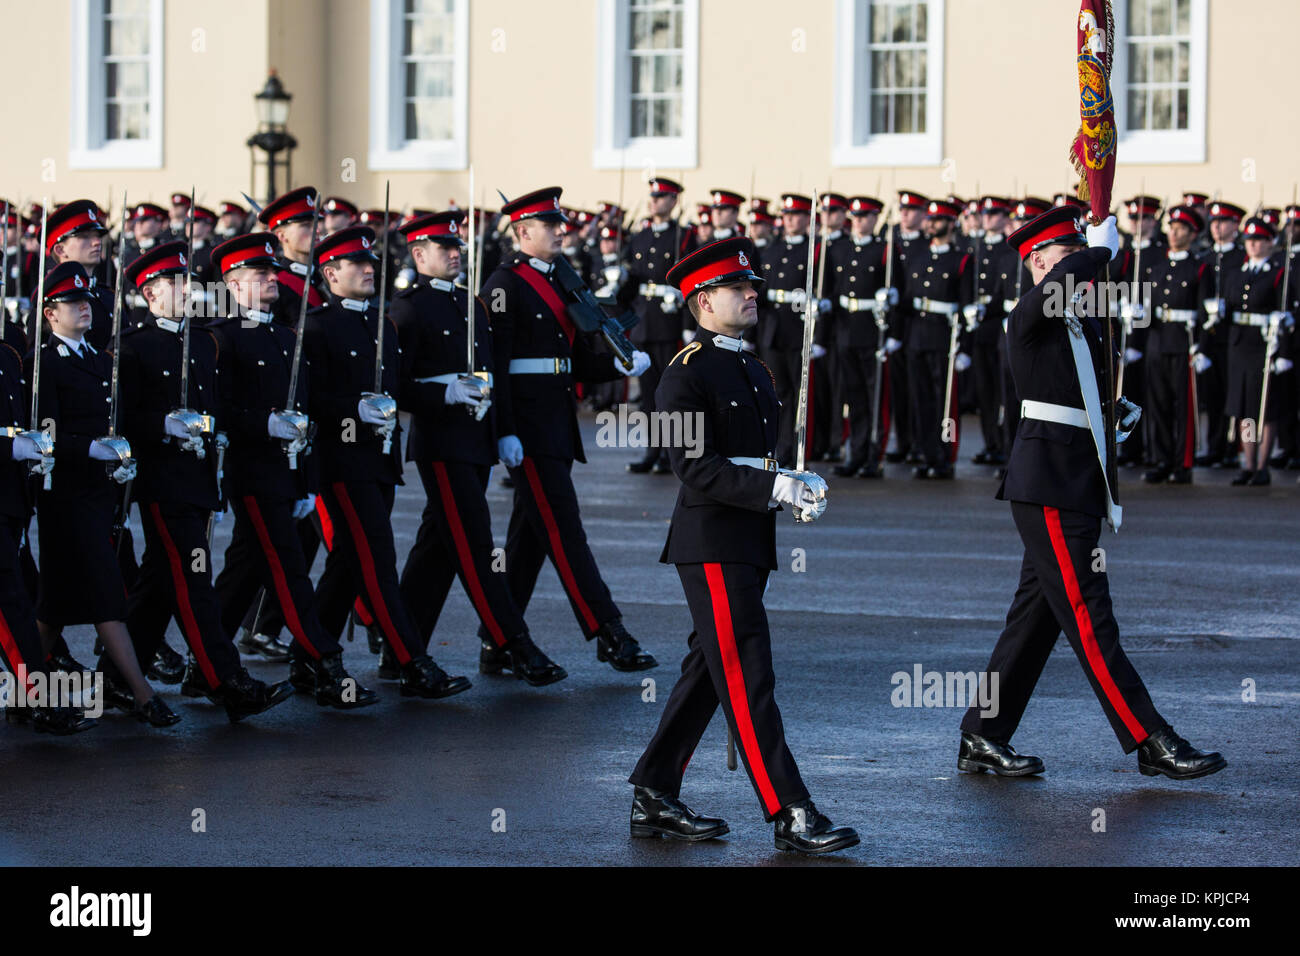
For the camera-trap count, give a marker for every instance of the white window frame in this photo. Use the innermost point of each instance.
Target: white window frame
(614, 148)
(852, 93)
(389, 148)
(87, 148)
(1164, 146)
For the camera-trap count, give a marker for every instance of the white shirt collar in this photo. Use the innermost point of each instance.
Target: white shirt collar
(1255, 265)
(658, 227)
(356, 305)
(908, 236)
(76, 344)
(832, 236)
(796, 239)
(1178, 256)
(940, 249)
(760, 243)
(728, 343)
(993, 238)
(543, 267)
(723, 232)
(145, 243)
(442, 285)
(298, 268)
(168, 325)
(609, 258)
(257, 316)
(1224, 246)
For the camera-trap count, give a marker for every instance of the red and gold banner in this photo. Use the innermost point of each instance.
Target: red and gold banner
(1093, 149)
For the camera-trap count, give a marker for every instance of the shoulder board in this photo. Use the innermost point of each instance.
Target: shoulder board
(686, 353)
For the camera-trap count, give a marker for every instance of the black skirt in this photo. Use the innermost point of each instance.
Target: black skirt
(80, 582)
(1246, 383)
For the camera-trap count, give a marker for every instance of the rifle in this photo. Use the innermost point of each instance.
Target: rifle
(379, 400)
(290, 415)
(44, 443)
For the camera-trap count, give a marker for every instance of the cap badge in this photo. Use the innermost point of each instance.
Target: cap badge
(76, 280)
(90, 213)
(269, 250)
(311, 202)
(182, 258)
(740, 257)
(451, 226)
(365, 243)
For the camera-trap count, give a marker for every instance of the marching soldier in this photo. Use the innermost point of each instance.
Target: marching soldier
(358, 443)
(1225, 257)
(724, 214)
(266, 479)
(1144, 221)
(1057, 486)
(1180, 284)
(289, 219)
(179, 214)
(75, 232)
(723, 542)
(1199, 203)
(232, 220)
(648, 256)
(453, 447)
(538, 357)
(761, 224)
(908, 238)
(703, 231)
(937, 286)
(1255, 314)
(149, 226)
(828, 401)
(338, 213)
(176, 489)
(984, 321)
(80, 582)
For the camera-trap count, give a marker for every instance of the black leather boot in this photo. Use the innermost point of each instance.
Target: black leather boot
(156, 713)
(302, 672)
(522, 657)
(977, 754)
(1164, 752)
(421, 677)
(656, 813)
(67, 663)
(195, 684)
(335, 687)
(118, 695)
(615, 645)
(168, 667)
(244, 695)
(801, 827)
(61, 721)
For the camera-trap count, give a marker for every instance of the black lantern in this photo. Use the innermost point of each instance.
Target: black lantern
(271, 137)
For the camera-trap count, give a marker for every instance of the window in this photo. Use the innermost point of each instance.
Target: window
(648, 78)
(1159, 79)
(116, 84)
(419, 84)
(888, 82)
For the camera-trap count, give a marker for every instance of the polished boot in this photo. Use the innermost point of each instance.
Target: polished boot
(871, 470)
(244, 695)
(1180, 476)
(194, 684)
(977, 754)
(118, 695)
(156, 713)
(1243, 477)
(801, 827)
(524, 658)
(662, 466)
(656, 813)
(1156, 476)
(389, 669)
(335, 687)
(848, 469)
(61, 721)
(615, 645)
(1260, 478)
(67, 663)
(1164, 752)
(167, 667)
(642, 466)
(267, 646)
(421, 677)
(302, 672)
(942, 472)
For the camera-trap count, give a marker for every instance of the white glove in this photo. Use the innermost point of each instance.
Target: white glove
(124, 472)
(303, 507)
(892, 345)
(277, 427)
(887, 297)
(1132, 312)
(370, 415)
(974, 312)
(640, 362)
(802, 491)
(1281, 365)
(101, 452)
(823, 306)
(1128, 415)
(510, 450)
(1201, 362)
(1283, 319)
(961, 362)
(175, 429)
(463, 392)
(688, 336)
(818, 351)
(1216, 307)
(1105, 235)
(670, 305)
(24, 449)
(1131, 356)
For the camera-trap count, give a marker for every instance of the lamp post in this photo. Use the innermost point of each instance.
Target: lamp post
(271, 137)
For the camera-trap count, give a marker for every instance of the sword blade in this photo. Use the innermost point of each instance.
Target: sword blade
(383, 296)
(118, 295)
(38, 310)
(291, 402)
(185, 327)
(809, 324)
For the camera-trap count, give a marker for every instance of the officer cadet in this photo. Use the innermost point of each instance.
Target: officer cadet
(937, 286)
(386, 234)
(289, 218)
(267, 482)
(723, 541)
(724, 212)
(1180, 284)
(80, 582)
(179, 215)
(337, 213)
(358, 445)
(1144, 222)
(75, 233)
(203, 281)
(231, 221)
(856, 285)
(176, 489)
(908, 237)
(1056, 484)
(762, 224)
(453, 446)
(1225, 257)
(648, 255)
(609, 276)
(1199, 203)
(828, 421)
(538, 356)
(149, 226)
(1255, 311)
(984, 321)
(703, 229)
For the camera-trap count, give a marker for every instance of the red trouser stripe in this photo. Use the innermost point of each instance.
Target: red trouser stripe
(736, 686)
(10, 646)
(277, 576)
(1084, 621)
(1189, 437)
(368, 574)
(327, 538)
(472, 583)
(557, 546)
(189, 624)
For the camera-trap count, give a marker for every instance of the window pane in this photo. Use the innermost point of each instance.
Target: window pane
(902, 22)
(1161, 21)
(436, 7)
(1184, 20)
(1162, 109)
(138, 8)
(922, 15)
(429, 119)
(640, 25)
(668, 74)
(663, 33)
(903, 113)
(1137, 63)
(428, 80)
(126, 37)
(126, 120)
(920, 113)
(921, 66)
(126, 80)
(1182, 109)
(674, 116)
(1184, 62)
(426, 36)
(1137, 109)
(641, 75)
(879, 113)
(639, 123)
(1137, 18)
(1163, 63)
(880, 22)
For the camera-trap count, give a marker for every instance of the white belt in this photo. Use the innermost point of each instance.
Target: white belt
(851, 304)
(11, 431)
(1212, 306)
(451, 377)
(653, 290)
(540, 366)
(936, 307)
(785, 295)
(1175, 315)
(762, 464)
(1047, 412)
(1257, 319)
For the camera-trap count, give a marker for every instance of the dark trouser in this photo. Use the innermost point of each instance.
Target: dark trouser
(264, 551)
(1135, 390)
(1060, 591)
(858, 375)
(20, 642)
(455, 538)
(661, 353)
(900, 398)
(836, 424)
(1212, 396)
(1173, 433)
(363, 561)
(545, 522)
(927, 374)
(1010, 400)
(175, 580)
(786, 366)
(819, 438)
(987, 368)
(729, 661)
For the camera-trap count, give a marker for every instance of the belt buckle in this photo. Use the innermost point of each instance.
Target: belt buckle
(9, 431)
(770, 464)
(561, 366)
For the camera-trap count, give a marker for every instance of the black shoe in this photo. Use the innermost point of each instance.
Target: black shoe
(943, 473)
(524, 659)
(981, 459)
(389, 669)
(804, 829)
(641, 467)
(168, 667)
(244, 695)
(195, 684)
(848, 469)
(155, 713)
(421, 677)
(662, 467)
(1180, 476)
(921, 472)
(302, 673)
(66, 663)
(118, 695)
(871, 471)
(656, 813)
(1243, 477)
(1278, 461)
(61, 721)
(335, 687)
(1260, 478)
(615, 645)
(1156, 476)
(1165, 752)
(894, 457)
(267, 646)
(977, 754)
(1203, 461)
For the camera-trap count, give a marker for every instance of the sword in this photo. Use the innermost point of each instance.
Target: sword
(881, 335)
(1271, 351)
(379, 399)
(809, 325)
(43, 439)
(115, 442)
(1136, 294)
(196, 424)
(296, 418)
(472, 280)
